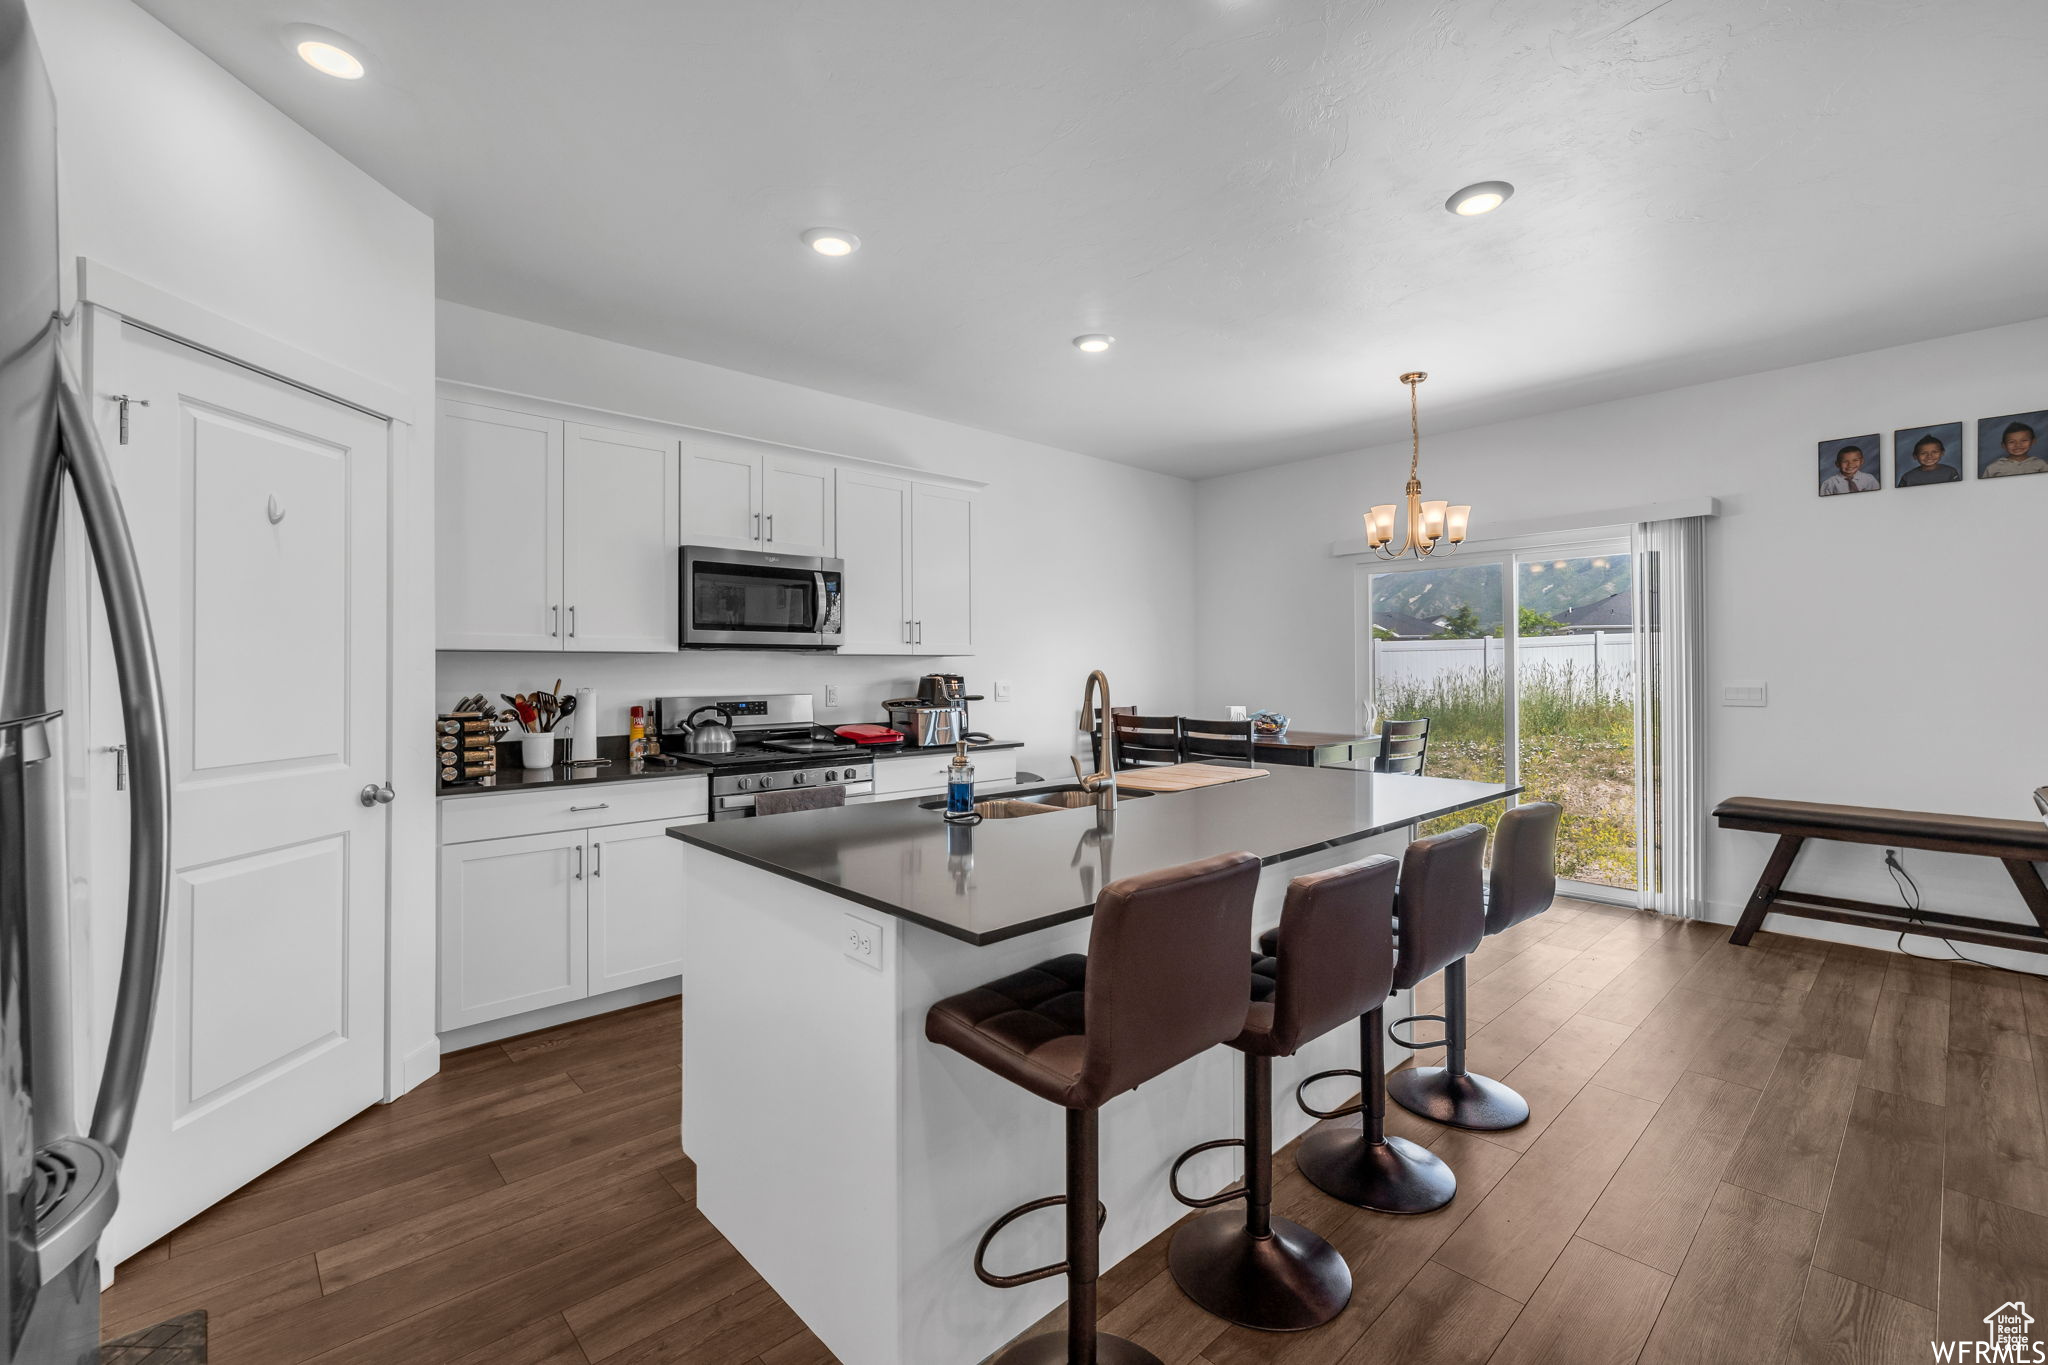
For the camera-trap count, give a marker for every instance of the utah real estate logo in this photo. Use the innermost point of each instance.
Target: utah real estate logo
(2008, 1333)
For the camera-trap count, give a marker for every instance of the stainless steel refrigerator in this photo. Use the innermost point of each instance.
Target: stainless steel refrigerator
(58, 1177)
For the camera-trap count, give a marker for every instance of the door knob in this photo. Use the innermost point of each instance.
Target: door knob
(374, 795)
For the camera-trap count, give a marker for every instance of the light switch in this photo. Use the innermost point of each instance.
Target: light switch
(1745, 694)
(1002, 691)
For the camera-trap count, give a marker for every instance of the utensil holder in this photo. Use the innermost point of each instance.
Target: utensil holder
(536, 751)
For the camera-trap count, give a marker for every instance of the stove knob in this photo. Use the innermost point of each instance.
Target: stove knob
(744, 783)
(801, 778)
(831, 776)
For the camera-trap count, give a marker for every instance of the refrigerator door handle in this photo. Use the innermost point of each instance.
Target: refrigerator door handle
(142, 718)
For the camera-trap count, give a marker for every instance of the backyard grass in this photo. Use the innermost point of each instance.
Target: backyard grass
(1578, 749)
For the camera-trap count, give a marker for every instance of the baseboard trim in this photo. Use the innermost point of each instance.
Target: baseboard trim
(420, 1064)
(497, 1030)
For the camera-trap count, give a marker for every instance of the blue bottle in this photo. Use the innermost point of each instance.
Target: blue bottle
(960, 785)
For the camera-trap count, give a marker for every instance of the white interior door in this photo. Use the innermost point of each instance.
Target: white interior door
(619, 531)
(497, 529)
(874, 526)
(942, 570)
(259, 515)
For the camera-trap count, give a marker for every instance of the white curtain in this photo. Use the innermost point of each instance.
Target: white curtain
(1672, 794)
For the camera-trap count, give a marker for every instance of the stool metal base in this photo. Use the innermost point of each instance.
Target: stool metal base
(1394, 1176)
(1289, 1281)
(1475, 1102)
(1050, 1348)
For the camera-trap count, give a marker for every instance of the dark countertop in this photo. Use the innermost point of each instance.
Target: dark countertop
(513, 778)
(1001, 878)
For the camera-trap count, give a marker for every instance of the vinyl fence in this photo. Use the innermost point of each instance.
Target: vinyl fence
(1607, 658)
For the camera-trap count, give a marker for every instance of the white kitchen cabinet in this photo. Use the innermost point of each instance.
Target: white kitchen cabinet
(514, 926)
(498, 529)
(620, 539)
(543, 902)
(748, 495)
(636, 893)
(552, 535)
(874, 543)
(909, 553)
(922, 772)
(721, 497)
(941, 569)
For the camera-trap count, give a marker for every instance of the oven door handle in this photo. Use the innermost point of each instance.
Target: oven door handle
(824, 604)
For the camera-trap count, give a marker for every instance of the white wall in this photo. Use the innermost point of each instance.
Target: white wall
(175, 174)
(1848, 607)
(1083, 564)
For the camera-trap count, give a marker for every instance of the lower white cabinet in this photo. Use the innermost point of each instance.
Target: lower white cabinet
(923, 773)
(636, 905)
(535, 920)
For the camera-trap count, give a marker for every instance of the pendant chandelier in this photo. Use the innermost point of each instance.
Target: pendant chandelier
(1431, 525)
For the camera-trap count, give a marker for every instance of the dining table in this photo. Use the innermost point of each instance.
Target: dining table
(1316, 748)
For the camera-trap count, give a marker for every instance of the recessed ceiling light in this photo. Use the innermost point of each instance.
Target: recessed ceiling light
(831, 241)
(331, 59)
(1484, 197)
(1094, 343)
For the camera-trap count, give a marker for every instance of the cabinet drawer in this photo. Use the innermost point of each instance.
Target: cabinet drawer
(505, 815)
(927, 771)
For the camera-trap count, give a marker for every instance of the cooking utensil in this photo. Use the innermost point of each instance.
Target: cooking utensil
(714, 736)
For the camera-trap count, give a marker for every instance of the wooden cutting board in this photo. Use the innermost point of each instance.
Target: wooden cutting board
(1180, 777)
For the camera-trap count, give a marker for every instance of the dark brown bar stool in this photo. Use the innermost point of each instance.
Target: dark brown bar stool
(1260, 1271)
(1230, 740)
(1441, 917)
(1163, 981)
(1404, 744)
(1522, 885)
(1143, 741)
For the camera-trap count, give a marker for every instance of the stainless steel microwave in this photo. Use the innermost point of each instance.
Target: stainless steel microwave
(744, 599)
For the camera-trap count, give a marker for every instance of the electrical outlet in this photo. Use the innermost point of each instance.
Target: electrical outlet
(1002, 691)
(1745, 694)
(861, 940)
(831, 694)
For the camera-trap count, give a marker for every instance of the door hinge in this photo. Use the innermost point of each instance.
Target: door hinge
(124, 400)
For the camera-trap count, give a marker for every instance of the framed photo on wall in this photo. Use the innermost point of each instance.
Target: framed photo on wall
(1851, 464)
(2012, 445)
(1928, 455)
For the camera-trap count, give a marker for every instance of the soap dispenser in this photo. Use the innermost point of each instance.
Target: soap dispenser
(960, 786)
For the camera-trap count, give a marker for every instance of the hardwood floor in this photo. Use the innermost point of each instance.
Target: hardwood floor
(1788, 1153)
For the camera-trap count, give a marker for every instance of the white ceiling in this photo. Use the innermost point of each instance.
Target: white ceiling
(1246, 193)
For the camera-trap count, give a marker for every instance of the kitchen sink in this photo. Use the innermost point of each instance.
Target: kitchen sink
(1043, 801)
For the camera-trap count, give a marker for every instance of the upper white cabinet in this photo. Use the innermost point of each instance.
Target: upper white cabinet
(498, 529)
(552, 535)
(874, 542)
(619, 541)
(746, 495)
(909, 553)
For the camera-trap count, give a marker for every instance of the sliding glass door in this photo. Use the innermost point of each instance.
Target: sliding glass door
(1524, 663)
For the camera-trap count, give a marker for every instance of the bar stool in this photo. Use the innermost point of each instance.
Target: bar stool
(1522, 886)
(1257, 1270)
(1163, 980)
(1441, 917)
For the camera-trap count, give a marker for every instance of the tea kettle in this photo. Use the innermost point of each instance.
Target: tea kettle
(714, 736)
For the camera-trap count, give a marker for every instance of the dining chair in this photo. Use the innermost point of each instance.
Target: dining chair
(1403, 743)
(1229, 740)
(1095, 730)
(1146, 741)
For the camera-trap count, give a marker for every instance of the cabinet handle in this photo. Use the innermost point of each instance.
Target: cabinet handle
(554, 621)
(602, 805)
(757, 525)
(579, 862)
(919, 627)
(572, 623)
(906, 632)
(597, 860)
(771, 528)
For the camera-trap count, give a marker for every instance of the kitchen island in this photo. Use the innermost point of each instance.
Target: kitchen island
(856, 1165)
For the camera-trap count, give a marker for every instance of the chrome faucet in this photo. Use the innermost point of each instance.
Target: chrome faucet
(1103, 784)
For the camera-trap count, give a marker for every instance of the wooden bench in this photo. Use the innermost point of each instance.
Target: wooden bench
(2019, 844)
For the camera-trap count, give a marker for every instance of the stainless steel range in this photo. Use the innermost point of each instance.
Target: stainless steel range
(777, 746)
